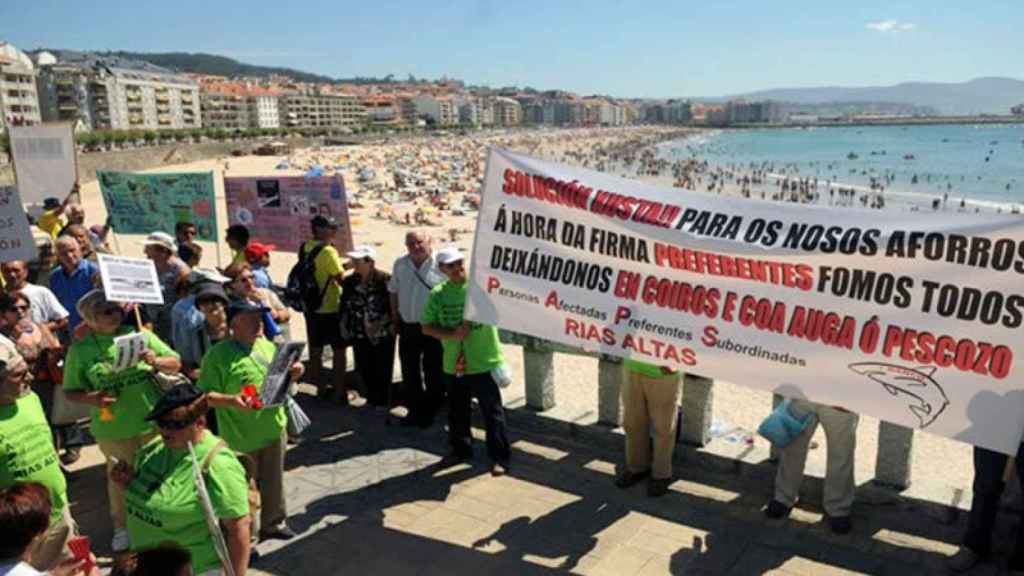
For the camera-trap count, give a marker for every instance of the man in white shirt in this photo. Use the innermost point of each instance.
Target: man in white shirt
(46, 309)
(412, 278)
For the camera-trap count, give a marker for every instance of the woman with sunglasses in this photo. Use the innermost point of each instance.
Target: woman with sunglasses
(243, 285)
(162, 499)
(121, 399)
(36, 344)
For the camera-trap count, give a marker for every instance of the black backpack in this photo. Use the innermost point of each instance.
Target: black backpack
(302, 292)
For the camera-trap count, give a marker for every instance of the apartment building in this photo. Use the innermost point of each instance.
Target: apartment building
(19, 99)
(319, 110)
(107, 93)
(264, 111)
(507, 112)
(225, 109)
(441, 110)
(382, 110)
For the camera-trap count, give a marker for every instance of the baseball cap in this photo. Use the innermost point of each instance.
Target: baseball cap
(257, 250)
(181, 395)
(449, 254)
(51, 203)
(240, 306)
(362, 251)
(321, 221)
(162, 239)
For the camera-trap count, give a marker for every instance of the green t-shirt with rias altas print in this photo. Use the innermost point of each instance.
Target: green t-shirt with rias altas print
(27, 453)
(480, 348)
(226, 369)
(162, 502)
(89, 368)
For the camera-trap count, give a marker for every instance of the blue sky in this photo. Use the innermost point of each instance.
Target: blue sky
(598, 46)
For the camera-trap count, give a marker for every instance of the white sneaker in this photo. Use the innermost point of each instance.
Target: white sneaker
(120, 542)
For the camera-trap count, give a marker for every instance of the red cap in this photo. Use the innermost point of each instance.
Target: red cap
(256, 250)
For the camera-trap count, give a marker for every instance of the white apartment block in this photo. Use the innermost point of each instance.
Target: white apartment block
(19, 100)
(117, 94)
(612, 114)
(442, 110)
(264, 112)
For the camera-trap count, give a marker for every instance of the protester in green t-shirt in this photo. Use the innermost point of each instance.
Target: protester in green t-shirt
(227, 370)
(120, 398)
(471, 353)
(162, 499)
(650, 397)
(27, 454)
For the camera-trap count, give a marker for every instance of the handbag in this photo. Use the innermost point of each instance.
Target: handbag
(781, 427)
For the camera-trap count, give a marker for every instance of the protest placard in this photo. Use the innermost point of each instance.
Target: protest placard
(274, 391)
(16, 242)
(130, 279)
(145, 203)
(277, 209)
(44, 160)
(909, 317)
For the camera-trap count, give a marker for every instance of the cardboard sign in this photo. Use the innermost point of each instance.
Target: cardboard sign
(44, 160)
(16, 242)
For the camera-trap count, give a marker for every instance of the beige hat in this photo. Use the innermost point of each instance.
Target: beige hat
(9, 356)
(87, 304)
(163, 240)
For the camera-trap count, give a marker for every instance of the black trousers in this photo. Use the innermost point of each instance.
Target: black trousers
(375, 364)
(988, 488)
(461, 391)
(420, 357)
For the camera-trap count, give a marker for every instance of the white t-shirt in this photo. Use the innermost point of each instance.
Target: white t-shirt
(18, 569)
(413, 286)
(45, 306)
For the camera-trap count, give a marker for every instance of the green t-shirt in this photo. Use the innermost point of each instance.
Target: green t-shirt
(481, 347)
(648, 370)
(226, 368)
(89, 368)
(27, 453)
(326, 266)
(162, 503)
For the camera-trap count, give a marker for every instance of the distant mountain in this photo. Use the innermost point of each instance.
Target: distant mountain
(978, 96)
(199, 63)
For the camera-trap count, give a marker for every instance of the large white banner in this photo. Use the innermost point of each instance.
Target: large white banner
(44, 160)
(911, 317)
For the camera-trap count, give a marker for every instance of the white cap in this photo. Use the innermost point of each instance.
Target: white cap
(162, 239)
(362, 251)
(449, 254)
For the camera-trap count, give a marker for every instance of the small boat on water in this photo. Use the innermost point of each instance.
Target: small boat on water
(852, 156)
(909, 157)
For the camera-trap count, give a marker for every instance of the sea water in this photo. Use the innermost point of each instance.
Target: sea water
(982, 163)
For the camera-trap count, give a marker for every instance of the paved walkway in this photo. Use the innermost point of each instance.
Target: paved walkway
(367, 498)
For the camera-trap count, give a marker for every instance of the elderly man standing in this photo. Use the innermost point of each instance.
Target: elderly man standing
(72, 278)
(650, 397)
(46, 309)
(472, 353)
(27, 454)
(413, 277)
(227, 369)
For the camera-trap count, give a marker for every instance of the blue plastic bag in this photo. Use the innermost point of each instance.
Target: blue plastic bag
(781, 427)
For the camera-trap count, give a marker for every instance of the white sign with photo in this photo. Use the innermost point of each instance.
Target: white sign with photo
(130, 279)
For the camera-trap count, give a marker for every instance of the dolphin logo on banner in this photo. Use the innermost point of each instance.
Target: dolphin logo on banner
(926, 399)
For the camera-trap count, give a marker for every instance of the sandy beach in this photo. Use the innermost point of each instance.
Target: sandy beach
(454, 165)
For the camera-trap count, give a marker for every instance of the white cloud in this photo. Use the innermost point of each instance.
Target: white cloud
(890, 26)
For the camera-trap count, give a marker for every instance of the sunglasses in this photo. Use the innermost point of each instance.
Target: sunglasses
(172, 424)
(111, 310)
(18, 308)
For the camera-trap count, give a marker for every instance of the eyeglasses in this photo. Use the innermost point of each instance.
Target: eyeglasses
(172, 424)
